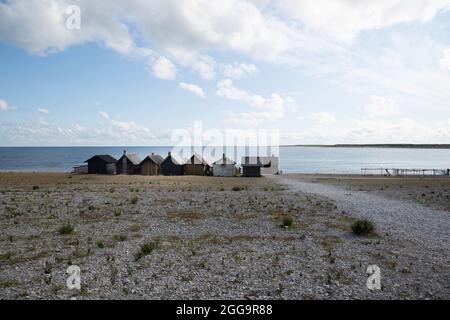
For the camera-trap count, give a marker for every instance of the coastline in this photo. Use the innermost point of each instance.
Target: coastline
(388, 146)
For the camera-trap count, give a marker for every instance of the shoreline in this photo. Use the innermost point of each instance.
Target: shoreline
(340, 145)
(300, 174)
(385, 146)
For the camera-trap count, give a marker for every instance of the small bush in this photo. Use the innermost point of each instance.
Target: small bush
(120, 237)
(237, 188)
(66, 228)
(134, 200)
(35, 187)
(6, 256)
(100, 244)
(146, 248)
(287, 222)
(362, 227)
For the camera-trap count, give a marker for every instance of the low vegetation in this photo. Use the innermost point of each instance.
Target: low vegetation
(287, 222)
(134, 200)
(363, 227)
(66, 228)
(120, 237)
(146, 248)
(100, 244)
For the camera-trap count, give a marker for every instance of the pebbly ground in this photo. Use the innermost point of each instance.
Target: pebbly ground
(210, 238)
(422, 233)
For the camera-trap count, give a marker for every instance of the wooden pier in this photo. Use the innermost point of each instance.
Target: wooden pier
(404, 172)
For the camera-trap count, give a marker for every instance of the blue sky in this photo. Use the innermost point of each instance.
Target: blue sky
(372, 72)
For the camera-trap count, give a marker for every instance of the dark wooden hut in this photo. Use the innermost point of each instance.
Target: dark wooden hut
(251, 166)
(172, 166)
(128, 164)
(224, 167)
(101, 164)
(151, 165)
(197, 166)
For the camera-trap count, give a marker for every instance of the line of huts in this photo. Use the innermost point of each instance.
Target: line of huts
(172, 165)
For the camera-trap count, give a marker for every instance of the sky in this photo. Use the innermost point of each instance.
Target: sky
(105, 72)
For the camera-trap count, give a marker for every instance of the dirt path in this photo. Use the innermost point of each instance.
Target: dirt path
(427, 230)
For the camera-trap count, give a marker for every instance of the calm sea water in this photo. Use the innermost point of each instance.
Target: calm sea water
(292, 159)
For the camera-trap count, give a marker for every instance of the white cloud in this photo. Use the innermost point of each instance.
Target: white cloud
(3, 105)
(44, 110)
(182, 31)
(238, 70)
(40, 26)
(325, 118)
(272, 108)
(445, 60)
(366, 131)
(104, 115)
(193, 88)
(380, 107)
(319, 37)
(202, 64)
(345, 19)
(111, 131)
(163, 68)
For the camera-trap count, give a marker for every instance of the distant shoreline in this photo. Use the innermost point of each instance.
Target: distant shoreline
(403, 146)
(381, 145)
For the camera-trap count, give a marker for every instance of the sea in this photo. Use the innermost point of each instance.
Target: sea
(291, 159)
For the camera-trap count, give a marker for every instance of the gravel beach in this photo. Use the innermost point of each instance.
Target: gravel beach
(278, 237)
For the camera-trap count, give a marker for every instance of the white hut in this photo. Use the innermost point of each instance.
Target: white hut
(224, 167)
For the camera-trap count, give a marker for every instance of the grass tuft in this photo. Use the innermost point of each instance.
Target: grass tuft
(287, 222)
(66, 228)
(146, 248)
(120, 237)
(100, 244)
(363, 227)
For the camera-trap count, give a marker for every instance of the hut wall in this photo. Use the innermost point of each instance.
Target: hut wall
(80, 169)
(149, 168)
(97, 166)
(111, 168)
(223, 170)
(124, 166)
(168, 168)
(251, 171)
(195, 169)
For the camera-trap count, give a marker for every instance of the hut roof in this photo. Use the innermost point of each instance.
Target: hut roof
(133, 157)
(156, 158)
(104, 157)
(224, 160)
(256, 162)
(175, 159)
(197, 159)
